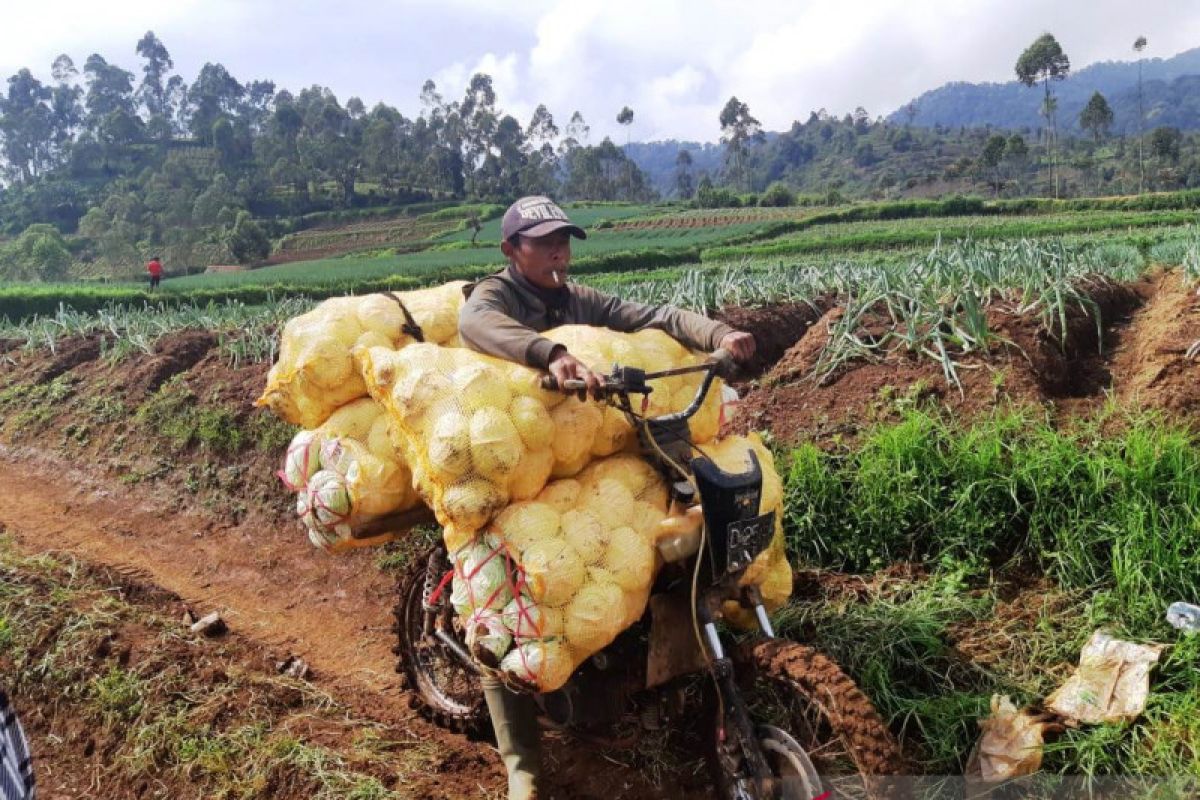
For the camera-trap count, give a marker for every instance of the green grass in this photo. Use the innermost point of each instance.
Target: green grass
(1093, 526)
(437, 264)
(1113, 502)
(815, 238)
(162, 717)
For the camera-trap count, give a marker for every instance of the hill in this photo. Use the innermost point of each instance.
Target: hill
(1171, 87)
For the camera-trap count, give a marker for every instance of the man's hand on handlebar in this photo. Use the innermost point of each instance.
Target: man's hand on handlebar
(564, 367)
(740, 344)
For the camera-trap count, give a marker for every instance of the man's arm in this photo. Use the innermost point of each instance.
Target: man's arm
(693, 330)
(486, 324)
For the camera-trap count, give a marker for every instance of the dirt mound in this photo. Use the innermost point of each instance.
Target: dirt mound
(776, 328)
(214, 378)
(1033, 364)
(173, 354)
(1151, 368)
(69, 353)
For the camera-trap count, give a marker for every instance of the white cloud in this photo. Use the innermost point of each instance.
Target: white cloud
(34, 33)
(504, 71)
(674, 62)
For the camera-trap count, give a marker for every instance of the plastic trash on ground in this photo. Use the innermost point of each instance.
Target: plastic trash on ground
(1110, 684)
(1010, 746)
(1184, 616)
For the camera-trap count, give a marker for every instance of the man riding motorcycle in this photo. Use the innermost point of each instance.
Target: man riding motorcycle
(504, 316)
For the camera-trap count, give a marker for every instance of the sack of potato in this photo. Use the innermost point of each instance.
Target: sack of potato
(553, 580)
(315, 375)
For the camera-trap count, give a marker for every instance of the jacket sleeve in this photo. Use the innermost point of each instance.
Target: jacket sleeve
(693, 330)
(487, 325)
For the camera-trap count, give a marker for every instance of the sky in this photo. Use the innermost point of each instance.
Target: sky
(674, 62)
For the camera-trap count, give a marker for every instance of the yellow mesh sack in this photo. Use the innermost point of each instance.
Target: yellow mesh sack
(347, 472)
(315, 374)
(479, 433)
(474, 430)
(652, 351)
(553, 580)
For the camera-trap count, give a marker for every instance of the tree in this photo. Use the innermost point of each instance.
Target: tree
(684, 184)
(158, 93)
(110, 91)
(990, 160)
(575, 135)
(478, 114)
(26, 124)
(777, 195)
(1044, 61)
(1139, 44)
(1096, 117)
(38, 254)
(1164, 143)
(625, 119)
(738, 129)
(541, 129)
(1016, 158)
(213, 94)
(604, 172)
(541, 165)
(66, 106)
(246, 240)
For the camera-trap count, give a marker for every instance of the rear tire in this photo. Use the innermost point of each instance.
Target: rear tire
(798, 697)
(440, 687)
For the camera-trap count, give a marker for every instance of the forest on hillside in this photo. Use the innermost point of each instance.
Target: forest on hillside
(103, 165)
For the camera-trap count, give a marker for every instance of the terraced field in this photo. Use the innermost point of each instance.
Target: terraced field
(989, 450)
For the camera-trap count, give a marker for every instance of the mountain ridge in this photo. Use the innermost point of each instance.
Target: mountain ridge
(1170, 98)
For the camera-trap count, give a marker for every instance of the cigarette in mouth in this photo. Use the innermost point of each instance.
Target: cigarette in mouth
(554, 274)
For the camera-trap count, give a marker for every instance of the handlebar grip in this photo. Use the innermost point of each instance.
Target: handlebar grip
(725, 365)
(550, 384)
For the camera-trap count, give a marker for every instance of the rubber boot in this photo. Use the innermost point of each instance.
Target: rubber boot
(514, 719)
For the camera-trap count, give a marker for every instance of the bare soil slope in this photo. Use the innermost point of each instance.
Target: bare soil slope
(1138, 356)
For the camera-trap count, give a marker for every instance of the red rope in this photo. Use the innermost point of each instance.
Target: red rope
(514, 581)
(437, 592)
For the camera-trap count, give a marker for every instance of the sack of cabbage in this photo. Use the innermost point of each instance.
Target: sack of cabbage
(346, 472)
(553, 580)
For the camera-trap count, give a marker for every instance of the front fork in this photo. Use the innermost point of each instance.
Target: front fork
(437, 612)
(732, 718)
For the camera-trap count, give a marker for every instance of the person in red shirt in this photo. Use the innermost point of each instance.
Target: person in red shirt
(155, 270)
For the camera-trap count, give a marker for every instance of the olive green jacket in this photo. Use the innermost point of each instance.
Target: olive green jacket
(504, 316)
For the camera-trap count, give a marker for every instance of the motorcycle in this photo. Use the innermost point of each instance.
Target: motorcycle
(782, 721)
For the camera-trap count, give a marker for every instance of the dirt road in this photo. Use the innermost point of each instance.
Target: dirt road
(273, 588)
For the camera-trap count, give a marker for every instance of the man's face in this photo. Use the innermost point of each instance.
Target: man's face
(543, 261)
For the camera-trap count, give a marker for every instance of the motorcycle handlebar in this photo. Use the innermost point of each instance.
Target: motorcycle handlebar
(720, 362)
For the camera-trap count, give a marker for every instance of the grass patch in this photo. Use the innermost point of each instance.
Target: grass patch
(1021, 539)
(188, 713)
(178, 415)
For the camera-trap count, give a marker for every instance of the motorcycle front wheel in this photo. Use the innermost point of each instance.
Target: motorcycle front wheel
(441, 687)
(819, 733)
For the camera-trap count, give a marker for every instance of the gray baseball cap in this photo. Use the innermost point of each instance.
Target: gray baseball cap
(537, 216)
